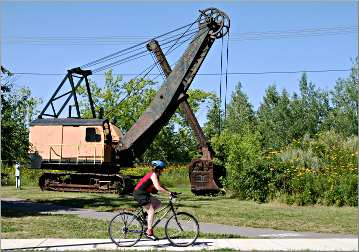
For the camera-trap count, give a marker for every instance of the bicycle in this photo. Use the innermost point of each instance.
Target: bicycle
(181, 228)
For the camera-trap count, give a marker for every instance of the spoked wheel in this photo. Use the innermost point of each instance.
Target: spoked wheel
(182, 229)
(221, 18)
(125, 229)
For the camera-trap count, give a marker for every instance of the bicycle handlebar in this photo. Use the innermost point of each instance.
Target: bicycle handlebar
(174, 195)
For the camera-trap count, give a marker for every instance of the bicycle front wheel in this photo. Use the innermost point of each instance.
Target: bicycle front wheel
(182, 229)
(125, 229)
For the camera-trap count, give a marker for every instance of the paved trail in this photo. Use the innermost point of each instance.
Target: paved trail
(200, 245)
(204, 227)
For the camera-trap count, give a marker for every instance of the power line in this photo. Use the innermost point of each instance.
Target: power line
(130, 40)
(203, 74)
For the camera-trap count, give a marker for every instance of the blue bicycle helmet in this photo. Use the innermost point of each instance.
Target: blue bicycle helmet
(158, 165)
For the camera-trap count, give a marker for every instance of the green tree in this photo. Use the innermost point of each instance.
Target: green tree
(282, 119)
(274, 119)
(17, 111)
(240, 115)
(309, 110)
(343, 117)
(246, 177)
(214, 122)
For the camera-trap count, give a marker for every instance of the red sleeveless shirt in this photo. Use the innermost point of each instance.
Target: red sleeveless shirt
(146, 184)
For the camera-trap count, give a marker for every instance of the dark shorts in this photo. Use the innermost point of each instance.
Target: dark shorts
(143, 198)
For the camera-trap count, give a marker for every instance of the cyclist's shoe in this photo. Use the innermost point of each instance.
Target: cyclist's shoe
(149, 234)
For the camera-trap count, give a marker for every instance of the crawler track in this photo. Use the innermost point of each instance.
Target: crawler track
(86, 182)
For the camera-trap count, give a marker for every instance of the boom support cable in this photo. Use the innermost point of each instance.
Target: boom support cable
(132, 57)
(110, 56)
(225, 95)
(146, 72)
(220, 90)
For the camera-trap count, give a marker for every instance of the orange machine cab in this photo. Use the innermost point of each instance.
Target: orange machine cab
(72, 141)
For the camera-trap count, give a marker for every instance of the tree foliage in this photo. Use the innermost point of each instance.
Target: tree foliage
(214, 122)
(301, 147)
(282, 118)
(17, 111)
(275, 119)
(343, 116)
(240, 114)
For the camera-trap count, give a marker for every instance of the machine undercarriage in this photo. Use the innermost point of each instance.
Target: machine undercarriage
(86, 182)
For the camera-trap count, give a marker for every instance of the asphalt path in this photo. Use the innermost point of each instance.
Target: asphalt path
(204, 227)
(96, 245)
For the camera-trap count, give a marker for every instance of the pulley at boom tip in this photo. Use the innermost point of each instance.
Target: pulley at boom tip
(218, 17)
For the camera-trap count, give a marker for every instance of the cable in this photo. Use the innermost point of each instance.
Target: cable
(132, 47)
(203, 74)
(125, 53)
(115, 40)
(124, 60)
(128, 58)
(225, 96)
(159, 68)
(220, 89)
(170, 50)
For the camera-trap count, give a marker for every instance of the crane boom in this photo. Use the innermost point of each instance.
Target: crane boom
(184, 106)
(168, 98)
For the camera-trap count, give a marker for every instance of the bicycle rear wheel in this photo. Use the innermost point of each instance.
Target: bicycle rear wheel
(125, 229)
(182, 229)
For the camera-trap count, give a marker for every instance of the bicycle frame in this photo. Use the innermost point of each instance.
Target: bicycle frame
(169, 207)
(139, 217)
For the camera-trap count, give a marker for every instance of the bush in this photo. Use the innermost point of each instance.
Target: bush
(342, 190)
(28, 176)
(246, 177)
(173, 175)
(320, 170)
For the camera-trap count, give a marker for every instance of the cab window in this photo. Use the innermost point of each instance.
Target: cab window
(92, 136)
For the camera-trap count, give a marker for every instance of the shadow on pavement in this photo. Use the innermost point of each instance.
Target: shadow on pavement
(20, 208)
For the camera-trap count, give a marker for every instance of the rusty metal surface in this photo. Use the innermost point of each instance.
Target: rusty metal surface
(184, 106)
(165, 103)
(201, 171)
(86, 182)
(201, 176)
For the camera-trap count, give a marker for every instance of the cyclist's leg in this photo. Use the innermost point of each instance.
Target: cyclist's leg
(150, 208)
(155, 202)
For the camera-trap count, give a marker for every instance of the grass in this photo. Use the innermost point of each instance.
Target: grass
(66, 227)
(19, 223)
(221, 210)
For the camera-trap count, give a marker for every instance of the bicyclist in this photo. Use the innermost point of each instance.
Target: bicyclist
(142, 193)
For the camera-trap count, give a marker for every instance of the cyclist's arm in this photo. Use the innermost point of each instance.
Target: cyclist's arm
(157, 185)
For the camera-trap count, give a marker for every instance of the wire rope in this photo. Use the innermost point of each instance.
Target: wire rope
(220, 89)
(95, 62)
(170, 50)
(226, 87)
(131, 58)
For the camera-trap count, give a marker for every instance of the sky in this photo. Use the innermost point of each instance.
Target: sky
(50, 37)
